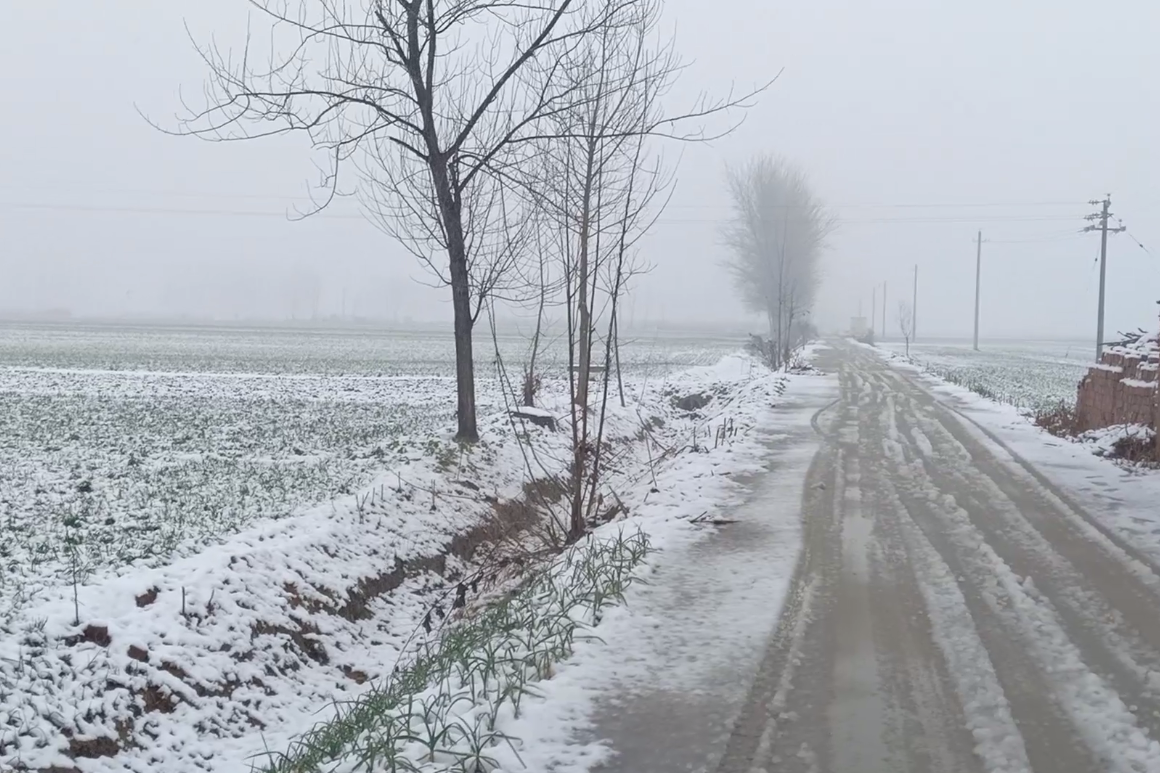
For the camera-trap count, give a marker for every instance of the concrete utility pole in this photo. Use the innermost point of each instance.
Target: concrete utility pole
(978, 276)
(1102, 227)
(873, 307)
(914, 308)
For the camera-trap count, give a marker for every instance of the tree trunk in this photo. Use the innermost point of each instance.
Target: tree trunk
(530, 373)
(787, 346)
(771, 347)
(451, 213)
(616, 344)
(584, 314)
(467, 430)
(780, 331)
(584, 352)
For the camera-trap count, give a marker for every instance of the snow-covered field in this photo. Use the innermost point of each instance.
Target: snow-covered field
(162, 622)
(1030, 375)
(133, 445)
(309, 351)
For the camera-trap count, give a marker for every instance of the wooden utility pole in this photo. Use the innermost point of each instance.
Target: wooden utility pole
(1102, 227)
(978, 276)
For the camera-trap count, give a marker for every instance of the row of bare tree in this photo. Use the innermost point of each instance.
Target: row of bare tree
(509, 144)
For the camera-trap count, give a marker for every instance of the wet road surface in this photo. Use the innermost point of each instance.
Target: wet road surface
(949, 612)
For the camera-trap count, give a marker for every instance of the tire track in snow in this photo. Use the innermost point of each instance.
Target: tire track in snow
(1099, 597)
(929, 719)
(1109, 638)
(858, 712)
(1003, 691)
(1109, 728)
(1003, 633)
(854, 682)
(987, 712)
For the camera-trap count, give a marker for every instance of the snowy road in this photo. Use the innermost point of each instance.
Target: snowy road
(950, 611)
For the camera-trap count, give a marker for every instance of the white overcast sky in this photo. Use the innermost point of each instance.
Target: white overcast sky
(919, 122)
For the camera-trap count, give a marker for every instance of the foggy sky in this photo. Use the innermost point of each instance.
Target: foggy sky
(919, 122)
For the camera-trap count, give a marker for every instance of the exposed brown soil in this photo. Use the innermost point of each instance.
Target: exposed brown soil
(507, 521)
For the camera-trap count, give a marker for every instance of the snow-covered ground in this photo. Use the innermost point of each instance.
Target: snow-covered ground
(133, 446)
(101, 471)
(1027, 374)
(232, 649)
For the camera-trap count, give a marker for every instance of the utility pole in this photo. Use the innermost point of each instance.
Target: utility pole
(914, 308)
(873, 307)
(1102, 227)
(978, 276)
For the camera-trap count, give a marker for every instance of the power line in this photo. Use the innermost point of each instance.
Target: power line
(1069, 234)
(330, 215)
(906, 205)
(308, 199)
(1133, 238)
(139, 210)
(963, 219)
(174, 193)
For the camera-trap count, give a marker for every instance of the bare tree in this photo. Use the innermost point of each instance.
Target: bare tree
(906, 323)
(602, 185)
(427, 101)
(776, 236)
(544, 289)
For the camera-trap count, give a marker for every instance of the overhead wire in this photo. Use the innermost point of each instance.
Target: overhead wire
(939, 215)
(141, 210)
(330, 215)
(1133, 237)
(913, 205)
(307, 199)
(1043, 239)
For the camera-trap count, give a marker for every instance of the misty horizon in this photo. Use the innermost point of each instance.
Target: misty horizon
(104, 216)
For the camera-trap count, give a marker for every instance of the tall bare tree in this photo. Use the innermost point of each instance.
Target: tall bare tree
(776, 237)
(423, 99)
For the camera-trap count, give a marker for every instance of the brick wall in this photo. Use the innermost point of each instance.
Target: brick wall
(1120, 389)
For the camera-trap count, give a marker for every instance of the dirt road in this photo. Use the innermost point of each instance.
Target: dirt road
(950, 611)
